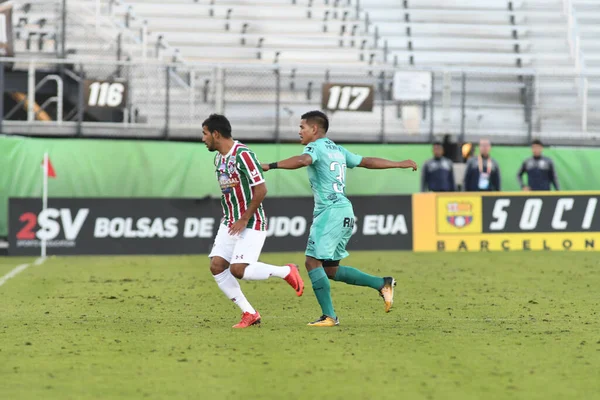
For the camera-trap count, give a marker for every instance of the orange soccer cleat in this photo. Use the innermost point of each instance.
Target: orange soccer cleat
(295, 280)
(248, 320)
(325, 321)
(387, 292)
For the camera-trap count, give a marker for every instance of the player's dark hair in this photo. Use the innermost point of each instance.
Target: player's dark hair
(218, 122)
(537, 141)
(317, 117)
(438, 143)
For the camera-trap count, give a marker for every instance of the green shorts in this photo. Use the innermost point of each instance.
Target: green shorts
(329, 234)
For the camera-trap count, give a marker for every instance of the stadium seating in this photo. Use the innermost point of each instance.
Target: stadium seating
(588, 20)
(249, 31)
(35, 26)
(467, 32)
(265, 31)
(316, 41)
(500, 34)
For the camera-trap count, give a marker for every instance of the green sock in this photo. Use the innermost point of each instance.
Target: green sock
(322, 288)
(352, 276)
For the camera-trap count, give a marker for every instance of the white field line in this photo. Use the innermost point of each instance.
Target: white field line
(20, 268)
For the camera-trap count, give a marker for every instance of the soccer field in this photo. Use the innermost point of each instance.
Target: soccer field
(463, 326)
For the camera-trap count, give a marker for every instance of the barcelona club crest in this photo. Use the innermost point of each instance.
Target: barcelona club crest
(459, 214)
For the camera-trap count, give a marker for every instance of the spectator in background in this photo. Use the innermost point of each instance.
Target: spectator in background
(539, 169)
(482, 173)
(438, 172)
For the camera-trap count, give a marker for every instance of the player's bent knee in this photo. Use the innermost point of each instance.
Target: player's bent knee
(311, 263)
(331, 271)
(237, 270)
(331, 267)
(218, 265)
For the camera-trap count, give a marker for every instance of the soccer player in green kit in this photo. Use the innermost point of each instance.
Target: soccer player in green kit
(333, 216)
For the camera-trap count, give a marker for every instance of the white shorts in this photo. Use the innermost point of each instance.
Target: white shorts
(244, 248)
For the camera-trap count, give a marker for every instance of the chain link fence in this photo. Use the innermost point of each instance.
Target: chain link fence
(265, 102)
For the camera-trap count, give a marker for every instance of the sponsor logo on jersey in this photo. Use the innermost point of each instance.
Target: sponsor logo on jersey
(227, 182)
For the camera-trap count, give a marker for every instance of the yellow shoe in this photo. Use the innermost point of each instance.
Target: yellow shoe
(325, 321)
(387, 292)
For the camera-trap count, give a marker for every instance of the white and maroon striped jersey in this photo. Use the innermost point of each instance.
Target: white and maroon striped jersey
(237, 172)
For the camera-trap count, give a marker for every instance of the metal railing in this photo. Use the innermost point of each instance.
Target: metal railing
(264, 102)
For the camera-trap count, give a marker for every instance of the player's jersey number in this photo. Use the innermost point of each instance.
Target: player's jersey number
(340, 169)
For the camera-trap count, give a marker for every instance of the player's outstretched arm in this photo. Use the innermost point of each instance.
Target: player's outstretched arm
(382, 163)
(303, 160)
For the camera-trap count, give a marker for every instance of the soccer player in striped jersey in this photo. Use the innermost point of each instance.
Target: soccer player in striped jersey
(333, 215)
(242, 231)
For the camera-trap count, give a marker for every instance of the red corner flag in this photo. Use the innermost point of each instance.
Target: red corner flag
(51, 172)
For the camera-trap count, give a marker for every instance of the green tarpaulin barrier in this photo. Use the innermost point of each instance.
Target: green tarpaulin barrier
(110, 168)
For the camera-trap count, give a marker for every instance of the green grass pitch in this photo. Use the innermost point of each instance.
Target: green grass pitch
(464, 326)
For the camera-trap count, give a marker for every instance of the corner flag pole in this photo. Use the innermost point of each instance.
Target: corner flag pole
(45, 198)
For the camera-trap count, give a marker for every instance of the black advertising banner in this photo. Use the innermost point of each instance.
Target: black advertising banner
(382, 223)
(187, 226)
(111, 226)
(516, 214)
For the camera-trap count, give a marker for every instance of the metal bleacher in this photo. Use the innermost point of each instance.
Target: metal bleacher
(487, 57)
(35, 27)
(294, 37)
(587, 15)
(514, 34)
(472, 32)
(248, 31)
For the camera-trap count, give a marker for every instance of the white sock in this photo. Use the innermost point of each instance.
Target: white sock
(231, 287)
(260, 271)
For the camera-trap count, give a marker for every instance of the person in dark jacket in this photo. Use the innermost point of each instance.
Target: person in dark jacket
(482, 173)
(438, 172)
(539, 169)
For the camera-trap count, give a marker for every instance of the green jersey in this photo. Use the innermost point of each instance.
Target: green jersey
(327, 173)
